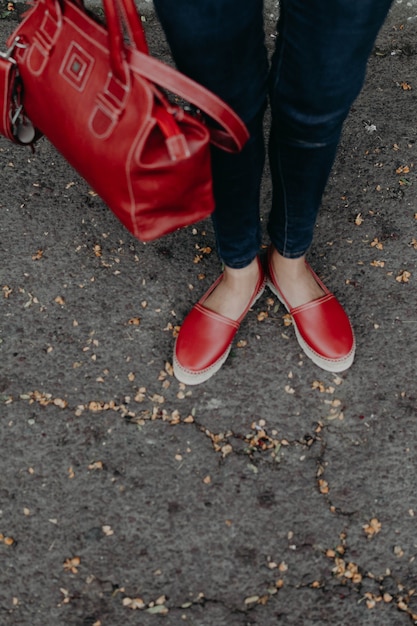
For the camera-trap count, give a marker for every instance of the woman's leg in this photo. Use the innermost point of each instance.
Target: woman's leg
(220, 44)
(317, 72)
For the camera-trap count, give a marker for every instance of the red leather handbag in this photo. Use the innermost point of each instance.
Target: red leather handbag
(100, 103)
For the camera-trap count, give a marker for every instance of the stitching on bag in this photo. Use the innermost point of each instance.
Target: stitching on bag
(94, 121)
(37, 49)
(108, 107)
(76, 66)
(43, 41)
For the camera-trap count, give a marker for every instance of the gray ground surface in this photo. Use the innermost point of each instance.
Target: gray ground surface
(274, 493)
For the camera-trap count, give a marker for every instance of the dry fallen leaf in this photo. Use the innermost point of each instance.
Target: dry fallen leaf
(66, 595)
(324, 486)
(133, 603)
(377, 244)
(225, 450)
(398, 551)
(8, 541)
(403, 277)
(157, 398)
(141, 395)
(373, 527)
(59, 402)
(403, 169)
(97, 465)
(72, 564)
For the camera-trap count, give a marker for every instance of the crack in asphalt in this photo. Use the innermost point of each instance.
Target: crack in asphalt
(260, 447)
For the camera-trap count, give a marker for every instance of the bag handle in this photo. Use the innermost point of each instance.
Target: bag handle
(232, 134)
(134, 24)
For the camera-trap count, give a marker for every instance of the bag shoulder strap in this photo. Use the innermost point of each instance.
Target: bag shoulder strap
(232, 134)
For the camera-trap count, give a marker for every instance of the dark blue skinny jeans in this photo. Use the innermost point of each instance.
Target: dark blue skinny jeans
(316, 72)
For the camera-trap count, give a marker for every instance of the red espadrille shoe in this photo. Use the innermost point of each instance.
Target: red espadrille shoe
(322, 327)
(206, 337)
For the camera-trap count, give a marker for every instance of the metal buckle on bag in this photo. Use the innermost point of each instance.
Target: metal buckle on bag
(23, 129)
(8, 54)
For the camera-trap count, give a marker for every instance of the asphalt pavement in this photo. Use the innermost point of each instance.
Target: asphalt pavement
(275, 493)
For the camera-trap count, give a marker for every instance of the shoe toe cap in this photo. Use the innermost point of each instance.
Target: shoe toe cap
(325, 328)
(203, 339)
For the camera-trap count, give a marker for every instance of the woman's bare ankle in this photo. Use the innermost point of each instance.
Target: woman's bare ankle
(232, 295)
(296, 282)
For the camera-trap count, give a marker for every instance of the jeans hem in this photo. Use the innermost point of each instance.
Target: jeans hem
(239, 265)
